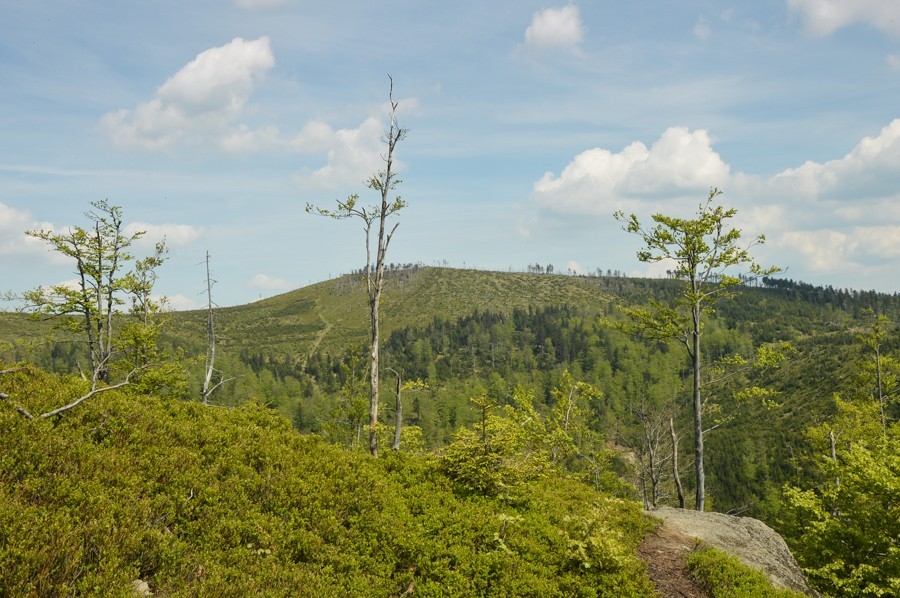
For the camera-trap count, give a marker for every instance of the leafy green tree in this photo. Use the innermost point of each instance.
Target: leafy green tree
(101, 254)
(345, 421)
(505, 448)
(879, 374)
(844, 523)
(703, 249)
(95, 304)
(384, 182)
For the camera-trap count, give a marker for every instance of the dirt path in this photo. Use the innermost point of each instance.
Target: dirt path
(319, 337)
(664, 551)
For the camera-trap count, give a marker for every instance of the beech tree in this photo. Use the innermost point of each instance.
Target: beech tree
(703, 249)
(843, 522)
(93, 304)
(101, 254)
(384, 182)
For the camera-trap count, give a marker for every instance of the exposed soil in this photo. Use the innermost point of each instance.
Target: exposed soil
(665, 551)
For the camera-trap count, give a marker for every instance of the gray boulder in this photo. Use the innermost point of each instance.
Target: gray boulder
(750, 540)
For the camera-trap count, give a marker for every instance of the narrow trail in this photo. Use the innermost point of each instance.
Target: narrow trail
(665, 550)
(319, 338)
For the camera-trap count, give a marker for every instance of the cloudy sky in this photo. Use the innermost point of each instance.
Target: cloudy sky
(214, 122)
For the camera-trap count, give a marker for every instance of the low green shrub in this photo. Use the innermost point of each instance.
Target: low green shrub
(200, 501)
(724, 576)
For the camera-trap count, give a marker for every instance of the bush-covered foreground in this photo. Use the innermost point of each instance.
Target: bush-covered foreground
(724, 576)
(232, 502)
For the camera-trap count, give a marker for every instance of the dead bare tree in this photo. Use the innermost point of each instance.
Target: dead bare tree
(384, 182)
(676, 476)
(210, 368)
(398, 409)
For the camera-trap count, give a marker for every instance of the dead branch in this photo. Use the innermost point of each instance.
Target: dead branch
(94, 391)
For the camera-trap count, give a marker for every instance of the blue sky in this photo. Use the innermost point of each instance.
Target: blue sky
(530, 123)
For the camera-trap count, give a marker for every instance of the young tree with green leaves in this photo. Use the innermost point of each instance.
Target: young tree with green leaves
(101, 254)
(93, 305)
(702, 249)
(844, 525)
(879, 373)
(384, 183)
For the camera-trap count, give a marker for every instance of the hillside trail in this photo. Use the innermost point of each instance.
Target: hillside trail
(665, 551)
(319, 337)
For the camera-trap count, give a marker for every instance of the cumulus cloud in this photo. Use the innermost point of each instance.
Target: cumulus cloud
(870, 170)
(13, 240)
(601, 181)
(555, 29)
(175, 235)
(353, 154)
(824, 17)
(179, 302)
(201, 101)
(842, 215)
(264, 281)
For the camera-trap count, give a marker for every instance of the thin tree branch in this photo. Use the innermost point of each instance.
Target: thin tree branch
(94, 391)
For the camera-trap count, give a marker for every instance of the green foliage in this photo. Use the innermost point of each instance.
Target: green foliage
(724, 576)
(286, 352)
(844, 531)
(702, 250)
(201, 501)
(100, 254)
(504, 450)
(513, 444)
(844, 522)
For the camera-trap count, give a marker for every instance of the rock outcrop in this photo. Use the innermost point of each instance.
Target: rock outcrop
(748, 539)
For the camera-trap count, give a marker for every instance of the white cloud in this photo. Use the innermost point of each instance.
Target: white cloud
(176, 235)
(179, 302)
(870, 170)
(13, 240)
(893, 61)
(244, 140)
(574, 267)
(600, 181)
(201, 101)
(353, 154)
(264, 281)
(555, 28)
(840, 216)
(880, 241)
(824, 17)
(824, 250)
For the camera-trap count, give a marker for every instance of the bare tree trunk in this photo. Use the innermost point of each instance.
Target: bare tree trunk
(208, 387)
(833, 440)
(373, 378)
(385, 183)
(675, 474)
(700, 502)
(210, 338)
(398, 414)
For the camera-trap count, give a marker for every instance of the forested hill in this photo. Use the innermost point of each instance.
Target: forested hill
(330, 315)
(515, 340)
(466, 332)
